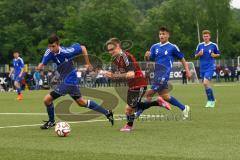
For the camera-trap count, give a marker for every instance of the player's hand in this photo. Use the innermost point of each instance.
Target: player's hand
(200, 53)
(130, 75)
(108, 74)
(214, 55)
(147, 55)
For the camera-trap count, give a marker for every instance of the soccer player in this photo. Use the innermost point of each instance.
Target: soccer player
(63, 57)
(17, 71)
(207, 51)
(163, 55)
(130, 70)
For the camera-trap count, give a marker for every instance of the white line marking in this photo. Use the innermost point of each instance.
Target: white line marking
(34, 125)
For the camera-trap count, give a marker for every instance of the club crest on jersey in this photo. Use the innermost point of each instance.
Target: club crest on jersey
(166, 52)
(66, 60)
(156, 52)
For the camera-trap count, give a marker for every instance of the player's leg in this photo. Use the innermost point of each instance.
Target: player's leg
(141, 106)
(133, 97)
(129, 112)
(207, 76)
(94, 106)
(164, 93)
(48, 101)
(17, 83)
(172, 100)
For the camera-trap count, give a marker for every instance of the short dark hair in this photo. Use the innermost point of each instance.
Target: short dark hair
(164, 29)
(53, 38)
(113, 41)
(16, 51)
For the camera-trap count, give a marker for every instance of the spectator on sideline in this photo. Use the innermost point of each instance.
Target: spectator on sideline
(37, 78)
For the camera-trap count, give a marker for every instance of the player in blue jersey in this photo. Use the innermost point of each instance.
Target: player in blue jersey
(163, 54)
(207, 51)
(17, 71)
(63, 57)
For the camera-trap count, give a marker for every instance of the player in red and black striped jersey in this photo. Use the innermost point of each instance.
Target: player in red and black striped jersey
(129, 69)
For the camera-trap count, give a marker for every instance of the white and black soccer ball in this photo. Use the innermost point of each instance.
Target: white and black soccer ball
(62, 129)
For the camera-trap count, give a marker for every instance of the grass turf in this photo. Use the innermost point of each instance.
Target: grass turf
(211, 134)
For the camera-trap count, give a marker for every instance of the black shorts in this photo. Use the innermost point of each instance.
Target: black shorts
(56, 95)
(135, 95)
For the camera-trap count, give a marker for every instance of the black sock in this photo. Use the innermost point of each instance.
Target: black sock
(130, 119)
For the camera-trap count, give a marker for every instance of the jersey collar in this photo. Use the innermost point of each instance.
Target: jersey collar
(205, 44)
(163, 44)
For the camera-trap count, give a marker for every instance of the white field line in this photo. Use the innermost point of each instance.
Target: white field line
(34, 125)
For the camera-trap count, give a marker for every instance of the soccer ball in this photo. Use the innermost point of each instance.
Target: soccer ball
(62, 129)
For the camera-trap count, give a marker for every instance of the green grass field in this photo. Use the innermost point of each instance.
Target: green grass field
(211, 134)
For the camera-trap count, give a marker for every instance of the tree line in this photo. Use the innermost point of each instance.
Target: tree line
(26, 25)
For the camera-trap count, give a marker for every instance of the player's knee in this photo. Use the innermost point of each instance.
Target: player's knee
(166, 97)
(129, 110)
(205, 83)
(47, 100)
(81, 102)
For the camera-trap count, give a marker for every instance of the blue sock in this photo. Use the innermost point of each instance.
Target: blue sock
(94, 106)
(138, 112)
(210, 95)
(18, 91)
(50, 111)
(175, 102)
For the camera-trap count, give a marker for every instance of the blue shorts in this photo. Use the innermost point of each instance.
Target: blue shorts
(63, 89)
(207, 75)
(17, 79)
(160, 87)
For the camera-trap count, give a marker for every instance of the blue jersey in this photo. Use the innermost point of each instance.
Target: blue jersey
(207, 62)
(18, 65)
(164, 55)
(63, 59)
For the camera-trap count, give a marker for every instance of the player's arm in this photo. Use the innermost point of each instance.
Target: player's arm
(11, 72)
(185, 65)
(147, 56)
(21, 64)
(85, 55)
(128, 75)
(198, 52)
(150, 55)
(21, 73)
(216, 52)
(40, 66)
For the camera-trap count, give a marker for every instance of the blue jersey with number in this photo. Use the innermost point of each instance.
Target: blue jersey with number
(63, 59)
(18, 65)
(164, 55)
(207, 62)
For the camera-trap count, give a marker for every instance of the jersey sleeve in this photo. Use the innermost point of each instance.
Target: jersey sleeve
(129, 61)
(215, 49)
(73, 50)
(47, 57)
(177, 53)
(197, 49)
(152, 53)
(21, 63)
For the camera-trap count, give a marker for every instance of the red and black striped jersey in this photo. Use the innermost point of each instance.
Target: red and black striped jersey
(126, 62)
